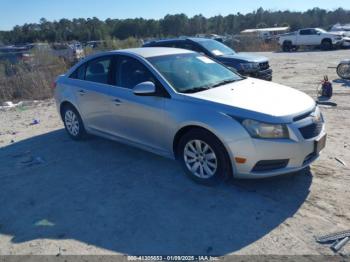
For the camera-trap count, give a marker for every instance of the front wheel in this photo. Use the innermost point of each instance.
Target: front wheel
(203, 157)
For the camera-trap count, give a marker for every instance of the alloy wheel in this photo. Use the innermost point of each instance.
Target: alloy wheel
(200, 159)
(72, 122)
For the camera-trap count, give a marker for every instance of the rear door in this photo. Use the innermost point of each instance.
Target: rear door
(308, 37)
(94, 93)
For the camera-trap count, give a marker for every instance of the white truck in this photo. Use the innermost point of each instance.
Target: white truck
(310, 37)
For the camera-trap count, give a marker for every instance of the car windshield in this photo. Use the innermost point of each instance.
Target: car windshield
(215, 47)
(321, 30)
(190, 73)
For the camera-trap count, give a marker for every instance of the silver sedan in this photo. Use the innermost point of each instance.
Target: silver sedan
(183, 105)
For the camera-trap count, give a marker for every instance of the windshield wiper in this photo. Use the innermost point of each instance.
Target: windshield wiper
(196, 89)
(221, 83)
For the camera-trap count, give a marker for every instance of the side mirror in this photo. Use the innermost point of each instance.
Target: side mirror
(144, 89)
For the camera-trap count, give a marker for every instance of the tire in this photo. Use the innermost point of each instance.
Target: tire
(204, 153)
(326, 45)
(343, 70)
(73, 123)
(287, 46)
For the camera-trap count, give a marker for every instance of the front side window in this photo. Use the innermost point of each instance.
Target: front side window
(98, 70)
(189, 73)
(131, 72)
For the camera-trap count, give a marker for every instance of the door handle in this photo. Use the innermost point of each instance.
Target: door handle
(82, 92)
(117, 101)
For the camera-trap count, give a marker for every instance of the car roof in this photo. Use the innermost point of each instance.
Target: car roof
(167, 40)
(147, 52)
(200, 39)
(173, 40)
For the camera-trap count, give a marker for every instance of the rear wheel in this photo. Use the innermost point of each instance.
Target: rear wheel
(287, 46)
(203, 157)
(73, 123)
(326, 44)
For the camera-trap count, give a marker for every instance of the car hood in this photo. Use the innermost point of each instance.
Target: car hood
(245, 57)
(333, 34)
(259, 96)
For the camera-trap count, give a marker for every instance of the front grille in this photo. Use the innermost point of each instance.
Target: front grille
(269, 165)
(264, 65)
(311, 130)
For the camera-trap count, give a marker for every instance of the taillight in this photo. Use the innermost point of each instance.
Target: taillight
(54, 84)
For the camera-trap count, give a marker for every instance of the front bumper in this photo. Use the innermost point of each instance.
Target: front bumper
(263, 74)
(338, 43)
(346, 42)
(298, 151)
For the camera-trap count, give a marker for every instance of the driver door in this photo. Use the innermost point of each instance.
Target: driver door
(139, 119)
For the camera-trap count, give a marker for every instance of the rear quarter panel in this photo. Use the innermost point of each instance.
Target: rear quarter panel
(65, 91)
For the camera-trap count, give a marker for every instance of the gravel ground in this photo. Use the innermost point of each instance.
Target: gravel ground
(58, 196)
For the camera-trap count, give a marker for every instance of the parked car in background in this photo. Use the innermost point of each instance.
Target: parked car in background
(343, 30)
(15, 54)
(94, 44)
(244, 64)
(309, 37)
(266, 34)
(184, 105)
(69, 52)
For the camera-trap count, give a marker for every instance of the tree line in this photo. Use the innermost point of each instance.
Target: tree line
(81, 29)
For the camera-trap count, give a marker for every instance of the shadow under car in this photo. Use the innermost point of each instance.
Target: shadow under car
(120, 198)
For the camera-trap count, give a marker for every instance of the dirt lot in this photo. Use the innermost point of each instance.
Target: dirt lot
(97, 197)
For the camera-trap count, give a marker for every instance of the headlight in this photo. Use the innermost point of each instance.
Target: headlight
(317, 116)
(264, 130)
(249, 66)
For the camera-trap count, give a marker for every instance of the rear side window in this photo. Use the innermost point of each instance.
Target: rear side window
(98, 70)
(305, 32)
(79, 73)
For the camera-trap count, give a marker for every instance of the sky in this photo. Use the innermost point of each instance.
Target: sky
(18, 12)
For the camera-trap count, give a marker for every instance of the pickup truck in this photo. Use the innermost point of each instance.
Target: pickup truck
(309, 37)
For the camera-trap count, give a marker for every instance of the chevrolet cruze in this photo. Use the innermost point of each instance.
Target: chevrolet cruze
(183, 105)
